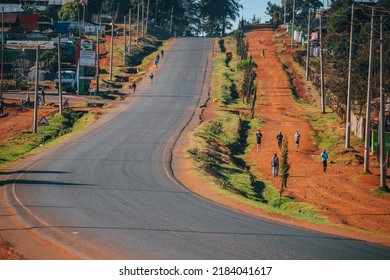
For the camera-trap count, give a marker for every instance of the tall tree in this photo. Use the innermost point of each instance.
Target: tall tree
(219, 15)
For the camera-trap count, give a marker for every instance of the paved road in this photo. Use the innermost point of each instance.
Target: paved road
(108, 194)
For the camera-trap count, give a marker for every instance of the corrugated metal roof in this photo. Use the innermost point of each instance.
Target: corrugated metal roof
(11, 8)
(59, 2)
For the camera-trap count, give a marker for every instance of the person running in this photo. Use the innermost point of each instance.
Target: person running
(258, 140)
(43, 95)
(279, 137)
(134, 86)
(262, 54)
(155, 62)
(324, 158)
(162, 53)
(297, 137)
(275, 165)
(151, 77)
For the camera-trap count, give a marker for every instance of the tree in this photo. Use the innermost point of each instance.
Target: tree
(218, 14)
(68, 11)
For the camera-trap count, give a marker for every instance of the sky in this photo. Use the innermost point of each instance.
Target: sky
(257, 7)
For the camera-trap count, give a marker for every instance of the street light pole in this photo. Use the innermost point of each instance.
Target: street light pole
(2, 52)
(35, 123)
(59, 76)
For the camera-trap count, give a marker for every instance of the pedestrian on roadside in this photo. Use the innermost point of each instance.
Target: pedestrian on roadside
(1, 106)
(134, 86)
(324, 158)
(158, 58)
(279, 137)
(258, 140)
(275, 165)
(151, 76)
(155, 62)
(262, 54)
(27, 98)
(297, 137)
(43, 95)
(162, 53)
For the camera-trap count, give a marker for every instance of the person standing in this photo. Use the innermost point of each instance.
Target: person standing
(297, 137)
(134, 86)
(324, 158)
(275, 165)
(258, 140)
(279, 137)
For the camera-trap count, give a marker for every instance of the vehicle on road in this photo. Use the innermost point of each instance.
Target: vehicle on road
(68, 80)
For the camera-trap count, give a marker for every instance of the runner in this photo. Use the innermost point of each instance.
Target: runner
(151, 77)
(297, 137)
(258, 140)
(275, 165)
(324, 157)
(279, 137)
(134, 86)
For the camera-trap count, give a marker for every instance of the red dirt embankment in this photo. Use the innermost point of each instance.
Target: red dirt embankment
(343, 197)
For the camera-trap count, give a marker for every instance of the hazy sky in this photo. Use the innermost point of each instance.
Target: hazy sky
(257, 7)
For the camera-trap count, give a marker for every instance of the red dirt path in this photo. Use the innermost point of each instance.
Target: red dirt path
(343, 198)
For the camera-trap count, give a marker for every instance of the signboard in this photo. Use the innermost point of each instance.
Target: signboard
(86, 44)
(87, 58)
(88, 73)
(43, 122)
(375, 142)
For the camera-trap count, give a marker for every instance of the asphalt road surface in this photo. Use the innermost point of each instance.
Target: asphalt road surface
(109, 193)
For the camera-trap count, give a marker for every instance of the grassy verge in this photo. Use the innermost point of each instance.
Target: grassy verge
(25, 142)
(217, 152)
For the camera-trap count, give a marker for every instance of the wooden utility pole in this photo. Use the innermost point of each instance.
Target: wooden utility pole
(147, 17)
(129, 31)
(2, 52)
(35, 123)
(285, 8)
(308, 48)
(138, 23)
(155, 23)
(348, 123)
(143, 19)
(171, 21)
(124, 41)
(59, 76)
(112, 48)
(292, 26)
(322, 68)
(369, 97)
(97, 62)
(382, 129)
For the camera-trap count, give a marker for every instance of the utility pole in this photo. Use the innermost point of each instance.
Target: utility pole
(322, 68)
(138, 22)
(171, 20)
(155, 23)
(348, 124)
(308, 48)
(147, 17)
(369, 96)
(285, 8)
(112, 48)
(292, 26)
(129, 31)
(59, 76)
(382, 141)
(84, 2)
(35, 124)
(97, 62)
(143, 19)
(2, 52)
(124, 41)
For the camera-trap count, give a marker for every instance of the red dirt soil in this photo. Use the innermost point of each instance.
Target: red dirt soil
(342, 197)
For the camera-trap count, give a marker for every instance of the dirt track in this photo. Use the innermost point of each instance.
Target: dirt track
(342, 197)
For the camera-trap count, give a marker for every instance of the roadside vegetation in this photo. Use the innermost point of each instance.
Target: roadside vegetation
(219, 146)
(24, 142)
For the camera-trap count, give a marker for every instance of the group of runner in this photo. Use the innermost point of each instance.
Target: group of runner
(275, 159)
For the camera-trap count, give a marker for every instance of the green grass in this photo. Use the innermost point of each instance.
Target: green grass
(218, 153)
(25, 142)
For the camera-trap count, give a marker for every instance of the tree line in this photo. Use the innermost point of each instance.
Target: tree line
(208, 17)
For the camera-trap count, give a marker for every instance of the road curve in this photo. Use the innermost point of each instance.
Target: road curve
(109, 193)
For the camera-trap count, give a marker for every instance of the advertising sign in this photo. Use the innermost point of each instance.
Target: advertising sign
(86, 44)
(87, 58)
